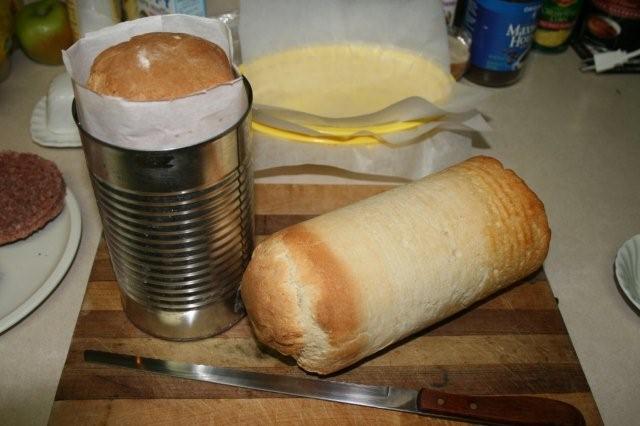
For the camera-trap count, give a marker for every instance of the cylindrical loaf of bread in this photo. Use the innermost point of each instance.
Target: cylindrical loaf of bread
(339, 287)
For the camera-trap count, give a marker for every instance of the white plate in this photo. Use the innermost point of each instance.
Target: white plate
(41, 134)
(628, 270)
(32, 268)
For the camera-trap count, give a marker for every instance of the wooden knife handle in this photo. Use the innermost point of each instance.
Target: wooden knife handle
(500, 410)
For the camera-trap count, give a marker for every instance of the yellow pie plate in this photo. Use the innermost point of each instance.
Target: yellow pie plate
(362, 79)
(338, 135)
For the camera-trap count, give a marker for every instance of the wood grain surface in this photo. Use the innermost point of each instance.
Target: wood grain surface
(514, 343)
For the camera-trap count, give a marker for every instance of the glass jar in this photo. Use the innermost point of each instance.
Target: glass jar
(501, 34)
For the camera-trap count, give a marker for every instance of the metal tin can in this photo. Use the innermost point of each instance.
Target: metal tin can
(555, 24)
(179, 227)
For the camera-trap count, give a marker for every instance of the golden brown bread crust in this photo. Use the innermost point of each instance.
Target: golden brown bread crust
(518, 212)
(273, 324)
(341, 286)
(159, 66)
(277, 321)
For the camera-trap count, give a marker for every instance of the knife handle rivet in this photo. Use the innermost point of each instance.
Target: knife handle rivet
(473, 406)
(440, 401)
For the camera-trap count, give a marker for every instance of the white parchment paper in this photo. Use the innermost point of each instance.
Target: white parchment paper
(275, 25)
(157, 125)
(408, 161)
(411, 25)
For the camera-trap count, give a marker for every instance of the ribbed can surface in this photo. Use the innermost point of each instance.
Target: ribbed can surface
(179, 251)
(179, 227)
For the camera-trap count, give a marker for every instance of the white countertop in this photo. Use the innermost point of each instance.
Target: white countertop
(574, 138)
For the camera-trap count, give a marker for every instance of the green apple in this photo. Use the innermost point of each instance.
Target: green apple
(43, 30)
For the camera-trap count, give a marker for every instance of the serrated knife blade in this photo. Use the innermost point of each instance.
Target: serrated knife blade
(493, 410)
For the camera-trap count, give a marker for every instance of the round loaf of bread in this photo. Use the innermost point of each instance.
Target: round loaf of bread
(159, 66)
(339, 287)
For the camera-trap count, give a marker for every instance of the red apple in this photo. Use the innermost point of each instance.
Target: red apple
(43, 30)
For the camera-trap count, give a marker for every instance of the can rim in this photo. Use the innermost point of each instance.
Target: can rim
(248, 90)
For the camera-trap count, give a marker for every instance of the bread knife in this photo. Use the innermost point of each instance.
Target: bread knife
(492, 410)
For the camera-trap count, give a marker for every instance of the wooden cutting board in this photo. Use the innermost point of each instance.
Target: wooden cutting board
(514, 343)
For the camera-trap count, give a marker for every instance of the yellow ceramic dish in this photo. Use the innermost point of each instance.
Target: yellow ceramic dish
(338, 135)
(344, 80)
(299, 137)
